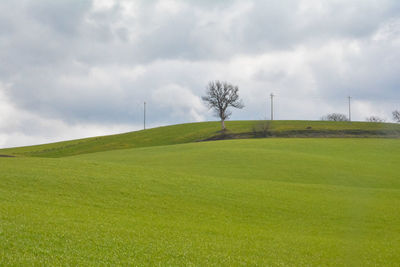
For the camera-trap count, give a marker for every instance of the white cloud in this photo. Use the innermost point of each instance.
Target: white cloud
(169, 7)
(19, 127)
(103, 5)
(182, 102)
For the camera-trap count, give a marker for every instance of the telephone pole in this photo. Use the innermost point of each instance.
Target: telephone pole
(349, 108)
(144, 116)
(272, 106)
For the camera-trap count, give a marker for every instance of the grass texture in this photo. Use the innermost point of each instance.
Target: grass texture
(257, 202)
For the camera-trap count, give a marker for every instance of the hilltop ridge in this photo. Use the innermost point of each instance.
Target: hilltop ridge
(206, 131)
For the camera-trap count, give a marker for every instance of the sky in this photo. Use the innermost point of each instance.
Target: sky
(80, 68)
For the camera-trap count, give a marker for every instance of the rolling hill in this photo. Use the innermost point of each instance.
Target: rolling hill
(195, 132)
(159, 197)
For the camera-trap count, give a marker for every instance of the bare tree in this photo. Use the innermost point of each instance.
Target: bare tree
(219, 97)
(374, 119)
(335, 117)
(396, 115)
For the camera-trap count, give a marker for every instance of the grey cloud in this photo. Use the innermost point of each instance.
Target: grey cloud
(62, 16)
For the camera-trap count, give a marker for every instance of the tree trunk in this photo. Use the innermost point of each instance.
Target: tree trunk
(223, 125)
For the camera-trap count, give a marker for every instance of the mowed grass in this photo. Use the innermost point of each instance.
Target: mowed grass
(277, 202)
(194, 132)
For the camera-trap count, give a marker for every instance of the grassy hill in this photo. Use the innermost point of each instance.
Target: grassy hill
(258, 202)
(194, 132)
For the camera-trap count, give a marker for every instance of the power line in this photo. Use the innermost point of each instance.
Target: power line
(359, 98)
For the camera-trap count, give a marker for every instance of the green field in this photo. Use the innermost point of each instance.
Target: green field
(163, 200)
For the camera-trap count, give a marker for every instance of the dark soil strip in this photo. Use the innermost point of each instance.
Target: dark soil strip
(6, 156)
(307, 133)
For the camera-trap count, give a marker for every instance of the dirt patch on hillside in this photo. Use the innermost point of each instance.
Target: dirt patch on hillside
(308, 133)
(6, 156)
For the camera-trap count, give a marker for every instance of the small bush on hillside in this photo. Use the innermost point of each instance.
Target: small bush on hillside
(261, 129)
(335, 117)
(396, 115)
(374, 119)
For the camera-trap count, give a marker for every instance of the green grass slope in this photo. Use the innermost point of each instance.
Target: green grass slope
(193, 132)
(258, 202)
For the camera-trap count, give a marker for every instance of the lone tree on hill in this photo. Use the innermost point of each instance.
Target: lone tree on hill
(396, 115)
(219, 97)
(335, 117)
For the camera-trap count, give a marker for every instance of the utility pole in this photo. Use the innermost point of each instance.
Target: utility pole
(272, 106)
(349, 108)
(144, 115)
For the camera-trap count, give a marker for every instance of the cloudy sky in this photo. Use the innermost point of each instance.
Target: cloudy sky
(77, 68)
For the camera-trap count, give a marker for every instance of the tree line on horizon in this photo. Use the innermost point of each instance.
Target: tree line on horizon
(221, 95)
